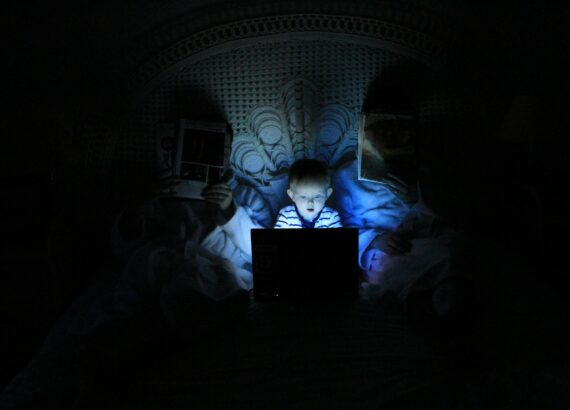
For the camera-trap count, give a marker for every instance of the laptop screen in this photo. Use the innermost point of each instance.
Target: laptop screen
(305, 264)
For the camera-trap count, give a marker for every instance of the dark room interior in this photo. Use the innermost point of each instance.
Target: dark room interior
(98, 98)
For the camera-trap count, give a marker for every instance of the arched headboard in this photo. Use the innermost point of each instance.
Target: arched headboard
(290, 84)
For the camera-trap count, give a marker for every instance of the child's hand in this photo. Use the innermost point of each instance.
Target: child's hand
(220, 195)
(393, 243)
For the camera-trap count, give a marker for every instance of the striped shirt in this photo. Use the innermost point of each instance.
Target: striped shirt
(288, 217)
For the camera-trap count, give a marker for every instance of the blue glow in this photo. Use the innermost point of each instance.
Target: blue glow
(364, 204)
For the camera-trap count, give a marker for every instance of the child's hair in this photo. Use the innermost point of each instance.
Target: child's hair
(309, 170)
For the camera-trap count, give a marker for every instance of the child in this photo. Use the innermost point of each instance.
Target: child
(309, 189)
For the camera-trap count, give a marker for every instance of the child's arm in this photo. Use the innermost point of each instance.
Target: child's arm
(335, 220)
(282, 221)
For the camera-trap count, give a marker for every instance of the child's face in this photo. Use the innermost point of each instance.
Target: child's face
(310, 198)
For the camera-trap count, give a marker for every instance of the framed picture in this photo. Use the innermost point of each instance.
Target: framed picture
(202, 155)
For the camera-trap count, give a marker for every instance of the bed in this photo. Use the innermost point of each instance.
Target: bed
(137, 338)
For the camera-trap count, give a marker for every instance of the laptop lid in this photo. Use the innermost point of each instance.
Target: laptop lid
(305, 264)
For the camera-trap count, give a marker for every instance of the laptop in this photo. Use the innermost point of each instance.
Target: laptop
(305, 264)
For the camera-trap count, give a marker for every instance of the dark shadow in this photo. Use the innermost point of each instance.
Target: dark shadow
(194, 104)
(398, 89)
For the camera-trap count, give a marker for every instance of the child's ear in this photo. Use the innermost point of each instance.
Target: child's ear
(329, 192)
(290, 193)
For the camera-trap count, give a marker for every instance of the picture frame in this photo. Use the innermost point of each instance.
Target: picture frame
(202, 155)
